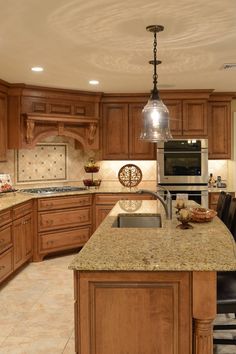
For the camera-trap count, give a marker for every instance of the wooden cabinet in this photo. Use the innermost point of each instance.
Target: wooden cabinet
(219, 121)
(176, 120)
(133, 312)
(213, 199)
(6, 244)
(6, 264)
(3, 127)
(22, 233)
(105, 202)
(62, 223)
(188, 118)
(37, 112)
(121, 126)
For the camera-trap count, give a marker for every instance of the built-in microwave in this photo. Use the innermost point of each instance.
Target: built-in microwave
(182, 162)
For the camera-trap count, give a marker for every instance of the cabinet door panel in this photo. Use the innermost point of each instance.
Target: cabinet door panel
(115, 131)
(65, 239)
(22, 240)
(28, 233)
(195, 118)
(63, 219)
(6, 264)
(219, 130)
(5, 237)
(3, 127)
(138, 149)
(18, 243)
(175, 113)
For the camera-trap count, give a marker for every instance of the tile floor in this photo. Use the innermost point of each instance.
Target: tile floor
(36, 310)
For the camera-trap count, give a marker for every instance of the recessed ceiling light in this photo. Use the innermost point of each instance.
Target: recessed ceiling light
(37, 68)
(229, 66)
(94, 82)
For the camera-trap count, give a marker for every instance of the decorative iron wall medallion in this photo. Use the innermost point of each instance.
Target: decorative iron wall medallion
(130, 175)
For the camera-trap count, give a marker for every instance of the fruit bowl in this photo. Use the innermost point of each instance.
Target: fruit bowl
(92, 183)
(202, 214)
(91, 169)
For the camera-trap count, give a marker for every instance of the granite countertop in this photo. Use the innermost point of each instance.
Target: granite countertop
(11, 199)
(228, 189)
(8, 200)
(206, 247)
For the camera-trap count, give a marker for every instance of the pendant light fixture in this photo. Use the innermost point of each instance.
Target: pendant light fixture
(155, 115)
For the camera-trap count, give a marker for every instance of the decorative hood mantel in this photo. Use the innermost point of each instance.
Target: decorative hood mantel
(83, 129)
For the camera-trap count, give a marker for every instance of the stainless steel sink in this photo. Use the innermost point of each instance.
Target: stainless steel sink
(138, 220)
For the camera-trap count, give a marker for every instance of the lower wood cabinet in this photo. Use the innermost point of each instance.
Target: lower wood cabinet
(23, 235)
(61, 240)
(105, 202)
(213, 199)
(6, 264)
(63, 223)
(162, 312)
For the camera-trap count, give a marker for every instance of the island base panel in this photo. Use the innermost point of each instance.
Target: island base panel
(133, 312)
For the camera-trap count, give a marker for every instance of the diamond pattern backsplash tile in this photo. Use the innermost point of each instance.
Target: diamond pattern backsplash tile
(46, 162)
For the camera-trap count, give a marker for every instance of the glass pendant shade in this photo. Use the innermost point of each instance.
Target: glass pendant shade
(155, 121)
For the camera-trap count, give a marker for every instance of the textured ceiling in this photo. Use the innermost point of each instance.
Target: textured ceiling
(78, 40)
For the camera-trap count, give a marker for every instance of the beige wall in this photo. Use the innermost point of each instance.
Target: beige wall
(48, 167)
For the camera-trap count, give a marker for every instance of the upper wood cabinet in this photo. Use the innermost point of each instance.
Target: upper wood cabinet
(121, 127)
(37, 112)
(219, 121)
(188, 118)
(3, 127)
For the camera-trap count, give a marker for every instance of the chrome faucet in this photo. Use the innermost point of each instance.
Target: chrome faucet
(167, 203)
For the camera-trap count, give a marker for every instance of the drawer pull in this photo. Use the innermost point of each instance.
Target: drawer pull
(50, 242)
(2, 267)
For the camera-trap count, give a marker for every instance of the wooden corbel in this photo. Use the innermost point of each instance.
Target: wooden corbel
(92, 131)
(30, 130)
(60, 128)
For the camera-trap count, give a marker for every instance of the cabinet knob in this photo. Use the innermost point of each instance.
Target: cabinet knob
(2, 240)
(2, 267)
(50, 242)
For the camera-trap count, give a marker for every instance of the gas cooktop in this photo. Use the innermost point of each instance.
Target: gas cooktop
(51, 190)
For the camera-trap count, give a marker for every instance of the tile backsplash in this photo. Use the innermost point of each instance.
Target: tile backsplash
(46, 162)
(56, 161)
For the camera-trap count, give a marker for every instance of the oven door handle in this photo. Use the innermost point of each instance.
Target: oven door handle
(180, 152)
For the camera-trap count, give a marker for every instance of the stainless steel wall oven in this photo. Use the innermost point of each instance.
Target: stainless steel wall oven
(182, 168)
(183, 162)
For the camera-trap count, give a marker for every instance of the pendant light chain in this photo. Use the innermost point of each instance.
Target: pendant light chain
(155, 62)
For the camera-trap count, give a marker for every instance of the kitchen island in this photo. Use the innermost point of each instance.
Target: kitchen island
(149, 290)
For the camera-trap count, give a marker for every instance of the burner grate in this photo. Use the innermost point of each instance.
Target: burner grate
(51, 190)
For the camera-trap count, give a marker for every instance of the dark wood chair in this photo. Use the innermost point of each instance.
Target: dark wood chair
(226, 287)
(220, 203)
(225, 208)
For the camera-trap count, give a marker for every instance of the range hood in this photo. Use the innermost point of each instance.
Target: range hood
(83, 129)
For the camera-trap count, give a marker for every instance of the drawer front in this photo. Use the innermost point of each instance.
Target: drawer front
(64, 219)
(51, 203)
(114, 198)
(64, 240)
(5, 217)
(5, 237)
(22, 209)
(6, 264)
